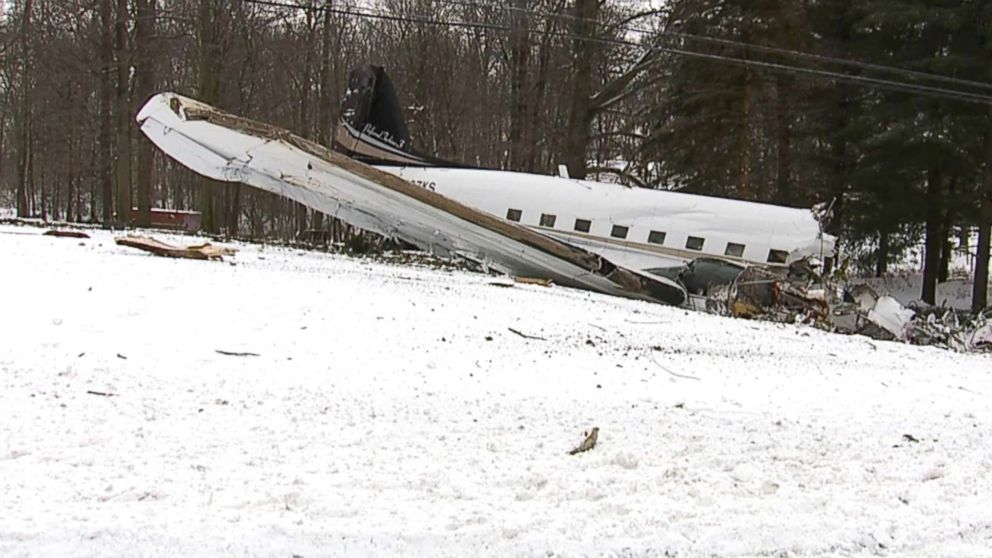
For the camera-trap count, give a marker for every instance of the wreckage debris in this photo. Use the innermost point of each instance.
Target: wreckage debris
(588, 443)
(205, 251)
(799, 294)
(952, 329)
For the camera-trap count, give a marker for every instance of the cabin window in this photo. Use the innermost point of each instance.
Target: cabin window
(619, 231)
(548, 220)
(583, 225)
(514, 214)
(695, 242)
(656, 237)
(734, 249)
(777, 256)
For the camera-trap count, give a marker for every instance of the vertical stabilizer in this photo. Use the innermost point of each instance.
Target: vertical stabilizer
(372, 128)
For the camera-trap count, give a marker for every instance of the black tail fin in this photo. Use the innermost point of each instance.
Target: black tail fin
(372, 128)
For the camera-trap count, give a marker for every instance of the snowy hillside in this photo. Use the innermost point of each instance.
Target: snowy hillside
(394, 411)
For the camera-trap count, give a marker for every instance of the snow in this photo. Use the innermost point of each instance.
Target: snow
(379, 419)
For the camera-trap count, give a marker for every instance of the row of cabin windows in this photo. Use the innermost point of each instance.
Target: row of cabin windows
(654, 237)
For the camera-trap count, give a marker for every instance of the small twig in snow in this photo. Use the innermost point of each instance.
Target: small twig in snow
(525, 336)
(597, 326)
(101, 393)
(676, 374)
(235, 353)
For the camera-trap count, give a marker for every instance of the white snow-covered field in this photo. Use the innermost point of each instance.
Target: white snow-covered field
(390, 411)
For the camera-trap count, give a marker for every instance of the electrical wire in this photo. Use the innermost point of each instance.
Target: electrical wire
(905, 87)
(738, 44)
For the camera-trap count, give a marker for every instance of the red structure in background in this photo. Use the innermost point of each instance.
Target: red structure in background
(173, 219)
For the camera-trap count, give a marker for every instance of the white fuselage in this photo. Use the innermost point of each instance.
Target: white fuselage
(634, 227)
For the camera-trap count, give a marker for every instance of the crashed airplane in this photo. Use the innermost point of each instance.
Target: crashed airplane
(608, 238)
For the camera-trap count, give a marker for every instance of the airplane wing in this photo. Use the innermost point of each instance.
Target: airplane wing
(229, 148)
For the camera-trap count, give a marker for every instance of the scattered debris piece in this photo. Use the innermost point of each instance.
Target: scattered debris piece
(66, 234)
(101, 393)
(588, 443)
(525, 336)
(910, 438)
(236, 353)
(205, 251)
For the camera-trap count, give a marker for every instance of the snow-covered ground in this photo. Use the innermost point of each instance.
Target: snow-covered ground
(391, 412)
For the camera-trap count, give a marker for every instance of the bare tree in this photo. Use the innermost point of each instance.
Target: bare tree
(22, 124)
(123, 112)
(208, 50)
(106, 64)
(146, 13)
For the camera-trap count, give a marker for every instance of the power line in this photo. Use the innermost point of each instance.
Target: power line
(905, 87)
(739, 44)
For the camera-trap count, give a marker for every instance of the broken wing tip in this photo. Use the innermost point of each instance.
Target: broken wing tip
(154, 103)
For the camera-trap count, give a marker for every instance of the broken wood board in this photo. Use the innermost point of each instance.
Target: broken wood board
(66, 234)
(517, 280)
(205, 251)
(533, 281)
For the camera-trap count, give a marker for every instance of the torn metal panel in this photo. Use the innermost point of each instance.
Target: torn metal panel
(230, 148)
(891, 316)
(701, 275)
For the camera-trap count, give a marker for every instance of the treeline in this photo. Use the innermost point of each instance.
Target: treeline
(900, 165)
(76, 71)
(708, 96)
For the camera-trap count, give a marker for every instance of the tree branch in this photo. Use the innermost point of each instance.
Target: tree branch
(613, 91)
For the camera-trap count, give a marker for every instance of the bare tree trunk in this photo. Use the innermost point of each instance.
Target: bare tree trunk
(980, 287)
(933, 239)
(325, 98)
(519, 65)
(540, 89)
(305, 126)
(23, 119)
(325, 101)
(106, 59)
(209, 90)
(580, 115)
(946, 224)
(882, 256)
(123, 162)
(144, 86)
(979, 295)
